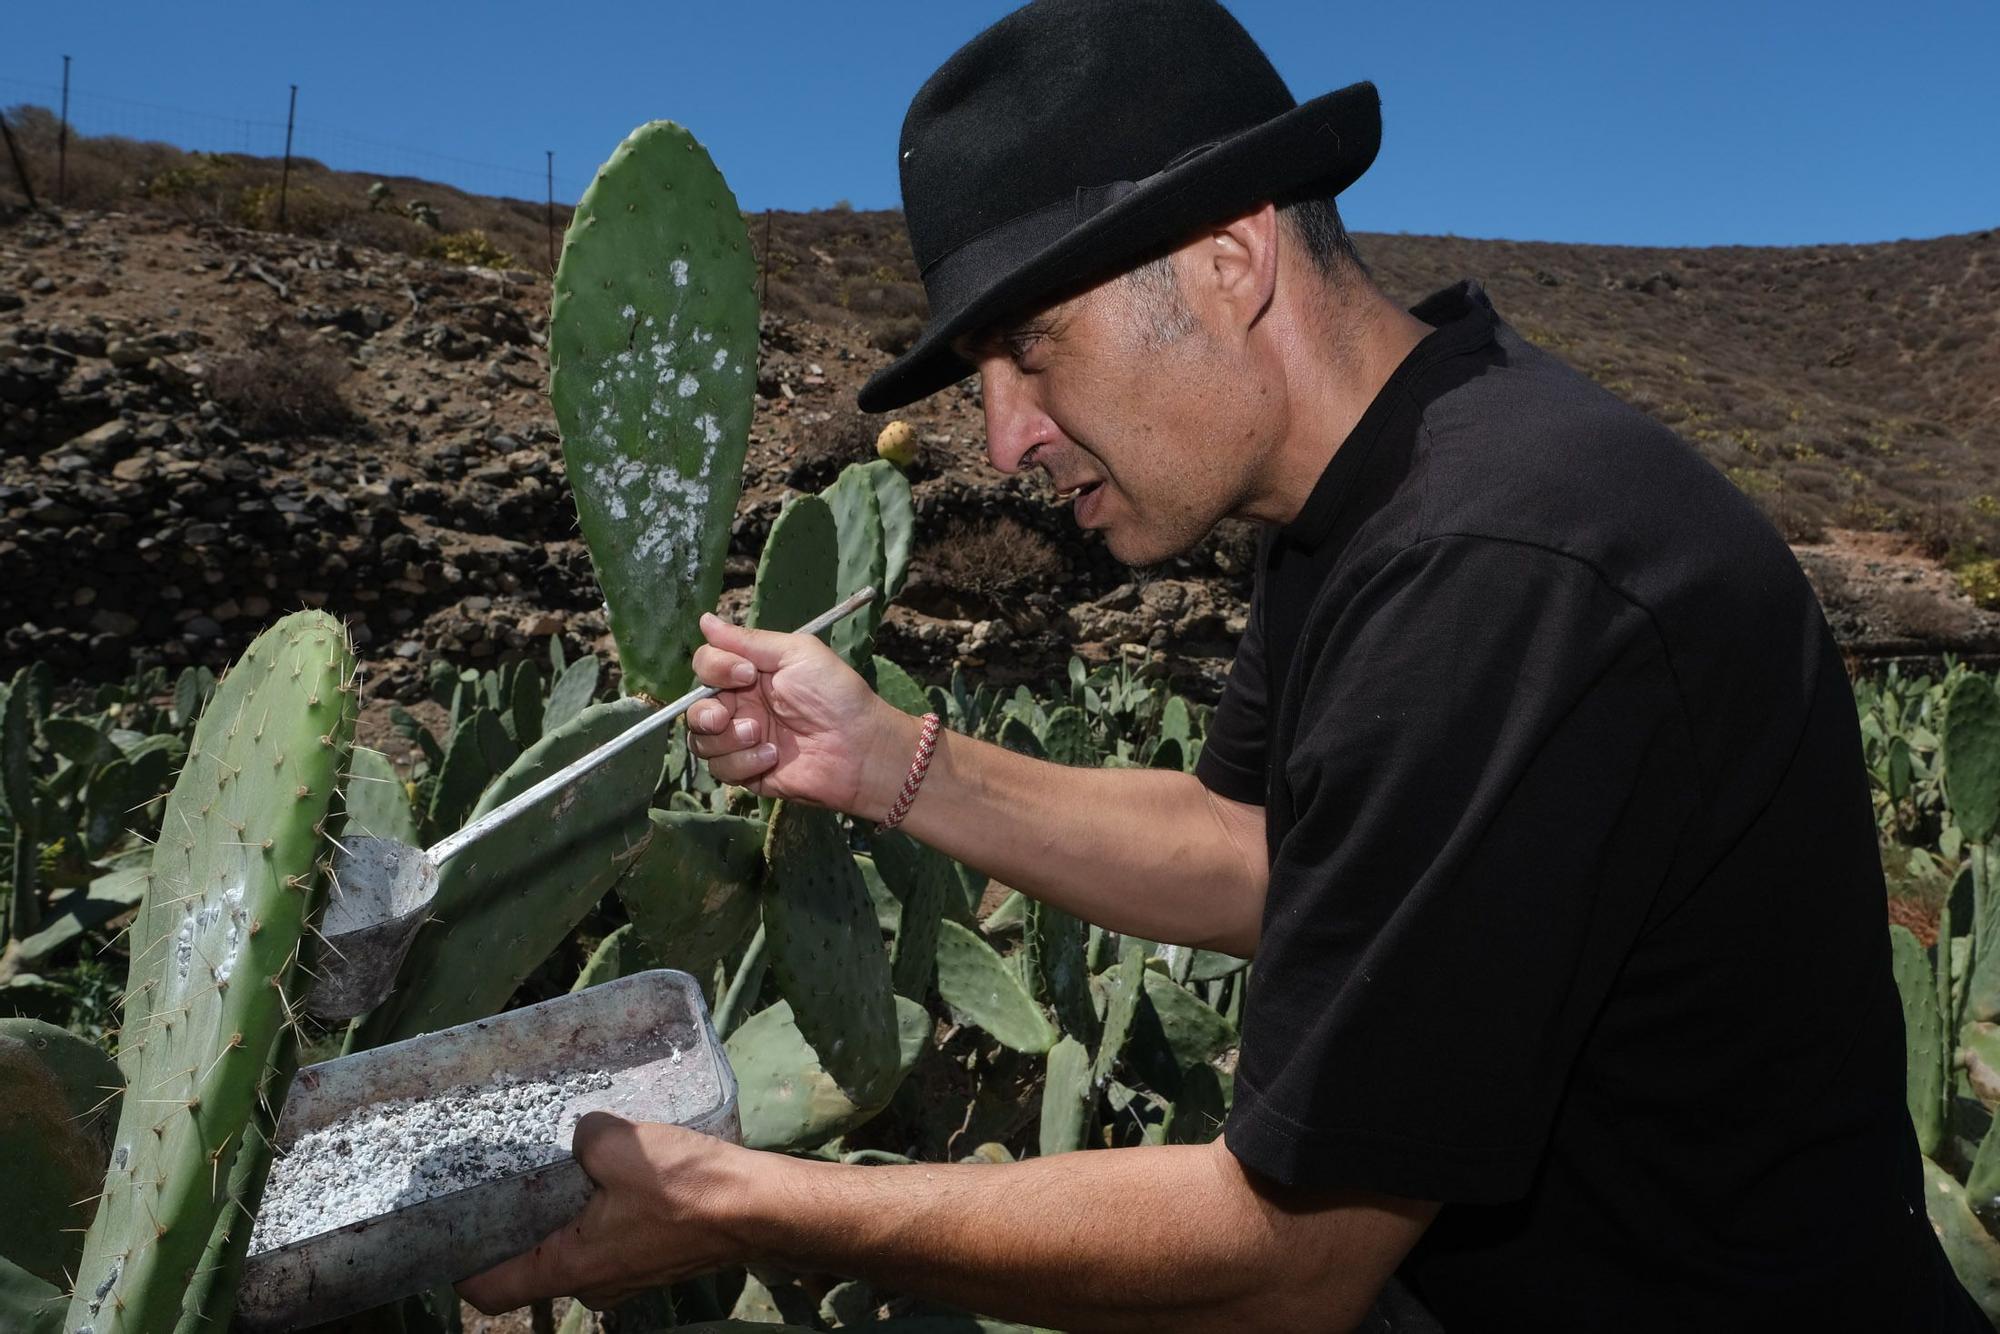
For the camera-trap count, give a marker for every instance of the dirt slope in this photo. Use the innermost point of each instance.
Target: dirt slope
(148, 516)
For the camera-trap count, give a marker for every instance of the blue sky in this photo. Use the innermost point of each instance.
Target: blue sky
(1690, 123)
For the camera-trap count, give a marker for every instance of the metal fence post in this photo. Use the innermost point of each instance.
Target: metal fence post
(285, 178)
(764, 264)
(20, 167)
(62, 143)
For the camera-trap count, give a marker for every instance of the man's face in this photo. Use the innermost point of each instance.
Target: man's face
(1151, 432)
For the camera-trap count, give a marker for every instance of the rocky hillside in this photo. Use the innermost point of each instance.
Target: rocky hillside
(202, 426)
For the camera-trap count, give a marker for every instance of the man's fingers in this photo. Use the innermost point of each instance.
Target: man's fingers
(740, 734)
(545, 1271)
(719, 667)
(741, 766)
(763, 649)
(709, 716)
(606, 1146)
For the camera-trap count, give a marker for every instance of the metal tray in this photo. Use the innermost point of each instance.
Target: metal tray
(651, 1031)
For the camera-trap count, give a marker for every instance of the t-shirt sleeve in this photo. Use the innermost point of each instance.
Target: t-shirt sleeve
(1490, 778)
(1231, 763)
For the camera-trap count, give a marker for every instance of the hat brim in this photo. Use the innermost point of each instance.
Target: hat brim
(1319, 147)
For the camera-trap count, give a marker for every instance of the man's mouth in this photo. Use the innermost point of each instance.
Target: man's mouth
(1069, 493)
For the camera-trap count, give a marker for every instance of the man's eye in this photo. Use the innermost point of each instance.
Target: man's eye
(1019, 347)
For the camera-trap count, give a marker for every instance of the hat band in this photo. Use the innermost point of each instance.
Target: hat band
(953, 279)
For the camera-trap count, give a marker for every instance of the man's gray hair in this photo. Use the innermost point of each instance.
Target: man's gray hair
(1314, 223)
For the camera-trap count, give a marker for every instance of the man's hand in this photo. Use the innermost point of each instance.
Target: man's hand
(664, 1196)
(795, 721)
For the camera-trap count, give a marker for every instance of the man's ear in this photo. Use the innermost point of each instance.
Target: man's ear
(1233, 268)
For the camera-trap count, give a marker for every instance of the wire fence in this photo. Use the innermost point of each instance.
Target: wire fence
(263, 135)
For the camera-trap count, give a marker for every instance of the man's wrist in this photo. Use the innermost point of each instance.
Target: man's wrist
(741, 1203)
(894, 742)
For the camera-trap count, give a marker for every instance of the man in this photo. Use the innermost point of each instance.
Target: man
(1535, 790)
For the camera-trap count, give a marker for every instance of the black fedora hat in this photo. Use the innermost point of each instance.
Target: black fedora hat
(1074, 138)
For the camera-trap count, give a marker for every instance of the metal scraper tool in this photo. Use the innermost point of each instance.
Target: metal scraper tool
(384, 887)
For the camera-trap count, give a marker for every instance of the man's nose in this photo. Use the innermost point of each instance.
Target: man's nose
(1014, 424)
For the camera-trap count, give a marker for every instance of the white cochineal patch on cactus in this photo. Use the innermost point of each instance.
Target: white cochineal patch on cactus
(209, 941)
(633, 472)
(673, 506)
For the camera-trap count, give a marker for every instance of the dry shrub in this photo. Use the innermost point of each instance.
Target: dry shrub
(284, 385)
(848, 436)
(471, 246)
(1924, 615)
(994, 559)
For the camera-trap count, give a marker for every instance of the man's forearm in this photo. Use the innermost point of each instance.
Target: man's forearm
(1129, 1239)
(1142, 851)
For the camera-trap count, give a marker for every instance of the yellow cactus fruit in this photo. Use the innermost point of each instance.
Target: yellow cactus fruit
(897, 443)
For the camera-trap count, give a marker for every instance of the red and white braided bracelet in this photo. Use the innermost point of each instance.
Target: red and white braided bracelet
(926, 743)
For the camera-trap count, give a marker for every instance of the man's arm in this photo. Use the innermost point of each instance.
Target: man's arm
(1149, 852)
(1173, 1237)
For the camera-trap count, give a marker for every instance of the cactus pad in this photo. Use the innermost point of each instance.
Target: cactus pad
(619, 954)
(899, 523)
(826, 949)
(1974, 1254)
(59, 1100)
(786, 1100)
(378, 805)
(1067, 739)
(693, 894)
(797, 573)
(1971, 753)
(1923, 1036)
(1124, 984)
(857, 517)
(922, 882)
(1173, 1030)
(1066, 1098)
(900, 688)
(506, 902)
(235, 873)
(1059, 955)
(983, 987)
(652, 355)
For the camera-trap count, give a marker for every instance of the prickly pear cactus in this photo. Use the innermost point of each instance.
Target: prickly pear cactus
(1927, 1060)
(652, 372)
(983, 987)
(826, 949)
(1066, 1097)
(798, 573)
(787, 1100)
(900, 688)
(693, 894)
(236, 874)
(1971, 753)
(899, 523)
(857, 517)
(506, 902)
(58, 1104)
(1974, 1254)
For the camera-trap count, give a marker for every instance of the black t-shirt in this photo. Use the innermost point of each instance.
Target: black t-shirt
(1575, 917)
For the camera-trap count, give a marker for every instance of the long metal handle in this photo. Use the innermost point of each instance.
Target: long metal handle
(453, 844)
